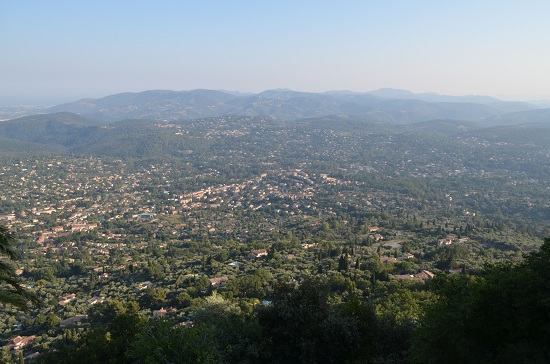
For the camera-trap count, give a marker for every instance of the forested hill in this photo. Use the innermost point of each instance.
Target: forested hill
(329, 239)
(237, 146)
(497, 316)
(138, 138)
(383, 105)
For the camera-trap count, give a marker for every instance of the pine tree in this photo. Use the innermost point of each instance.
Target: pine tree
(346, 262)
(16, 294)
(341, 264)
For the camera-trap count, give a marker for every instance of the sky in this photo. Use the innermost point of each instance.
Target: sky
(60, 51)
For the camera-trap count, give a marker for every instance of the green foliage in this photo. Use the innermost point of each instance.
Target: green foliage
(107, 311)
(302, 327)
(154, 296)
(201, 283)
(16, 294)
(115, 326)
(404, 305)
(345, 188)
(157, 341)
(250, 286)
(500, 316)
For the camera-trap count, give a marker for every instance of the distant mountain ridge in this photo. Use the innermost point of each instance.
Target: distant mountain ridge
(541, 116)
(394, 106)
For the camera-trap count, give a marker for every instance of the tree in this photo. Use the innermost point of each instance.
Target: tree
(202, 283)
(500, 316)
(157, 341)
(343, 263)
(115, 325)
(16, 294)
(155, 296)
(302, 326)
(52, 320)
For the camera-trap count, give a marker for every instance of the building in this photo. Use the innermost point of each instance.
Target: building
(257, 253)
(215, 282)
(66, 299)
(72, 320)
(20, 341)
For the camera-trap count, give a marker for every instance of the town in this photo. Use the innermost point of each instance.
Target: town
(264, 205)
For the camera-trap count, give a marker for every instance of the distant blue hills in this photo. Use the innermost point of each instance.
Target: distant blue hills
(387, 105)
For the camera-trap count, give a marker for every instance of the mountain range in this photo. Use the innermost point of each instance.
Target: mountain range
(175, 122)
(390, 105)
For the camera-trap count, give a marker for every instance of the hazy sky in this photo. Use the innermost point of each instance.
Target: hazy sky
(57, 51)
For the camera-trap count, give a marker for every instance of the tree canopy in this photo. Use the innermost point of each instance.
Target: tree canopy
(13, 292)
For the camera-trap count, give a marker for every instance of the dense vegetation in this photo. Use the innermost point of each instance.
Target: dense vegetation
(499, 315)
(251, 239)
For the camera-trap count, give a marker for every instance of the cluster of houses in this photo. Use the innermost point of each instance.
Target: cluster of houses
(451, 239)
(19, 342)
